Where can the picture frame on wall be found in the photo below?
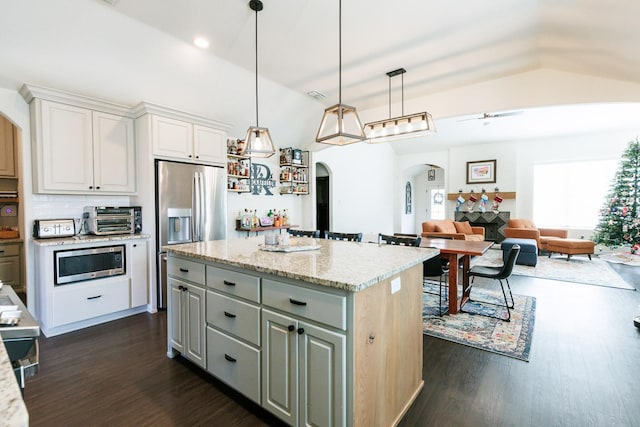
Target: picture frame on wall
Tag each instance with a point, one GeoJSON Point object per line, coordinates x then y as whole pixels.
{"type": "Point", "coordinates": [481, 172]}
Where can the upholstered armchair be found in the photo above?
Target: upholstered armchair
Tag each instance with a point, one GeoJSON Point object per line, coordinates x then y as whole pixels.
{"type": "Point", "coordinates": [449, 229]}
{"type": "Point", "coordinates": [526, 229]}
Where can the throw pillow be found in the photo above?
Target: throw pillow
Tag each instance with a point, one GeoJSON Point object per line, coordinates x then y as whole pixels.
{"type": "Point", "coordinates": [463, 227]}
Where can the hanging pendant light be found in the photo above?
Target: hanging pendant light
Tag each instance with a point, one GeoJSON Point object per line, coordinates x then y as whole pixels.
{"type": "Point", "coordinates": [404, 126]}
{"type": "Point", "coordinates": [258, 141]}
{"type": "Point", "coordinates": [340, 123]}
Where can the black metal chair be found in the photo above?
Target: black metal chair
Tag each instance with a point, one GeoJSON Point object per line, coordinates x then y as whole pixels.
{"type": "Point", "coordinates": [399, 240]}
{"type": "Point", "coordinates": [305, 233]}
{"type": "Point", "coordinates": [499, 274]}
{"type": "Point", "coordinates": [351, 237]}
{"type": "Point", "coordinates": [437, 267]}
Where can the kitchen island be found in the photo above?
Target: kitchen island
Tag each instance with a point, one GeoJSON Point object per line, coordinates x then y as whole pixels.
{"type": "Point", "coordinates": [331, 336]}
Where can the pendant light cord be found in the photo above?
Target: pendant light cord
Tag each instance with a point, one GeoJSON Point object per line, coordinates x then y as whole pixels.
{"type": "Point", "coordinates": [340, 52]}
{"type": "Point", "coordinates": [257, 124]}
{"type": "Point", "coordinates": [402, 75]}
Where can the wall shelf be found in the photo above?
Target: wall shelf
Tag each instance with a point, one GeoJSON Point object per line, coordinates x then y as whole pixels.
{"type": "Point", "coordinates": [257, 229]}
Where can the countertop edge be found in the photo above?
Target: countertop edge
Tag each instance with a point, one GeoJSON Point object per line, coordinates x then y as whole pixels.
{"type": "Point", "coordinates": [12, 407]}
{"type": "Point", "coordinates": [349, 287]}
{"type": "Point", "coordinates": [88, 238]}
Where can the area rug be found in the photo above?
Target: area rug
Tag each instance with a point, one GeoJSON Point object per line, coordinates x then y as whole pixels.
{"type": "Point", "coordinates": [472, 329]}
{"type": "Point", "coordinates": [579, 269]}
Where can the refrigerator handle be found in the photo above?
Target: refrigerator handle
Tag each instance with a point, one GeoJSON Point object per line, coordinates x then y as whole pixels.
{"type": "Point", "coordinates": [202, 205]}
{"type": "Point", "coordinates": [195, 202]}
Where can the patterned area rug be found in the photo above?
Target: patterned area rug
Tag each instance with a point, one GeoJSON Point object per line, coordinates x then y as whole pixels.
{"type": "Point", "coordinates": [511, 339]}
{"type": "Point", "coordinates": [579, 269]}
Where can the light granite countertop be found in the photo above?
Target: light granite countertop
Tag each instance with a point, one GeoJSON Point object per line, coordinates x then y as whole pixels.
{"type": "Point", "coordinates": [338, 264]}
{"type": "Point", "coordinates": [13, 412]}
{"type": "Point", "coordinates": [87, 238]}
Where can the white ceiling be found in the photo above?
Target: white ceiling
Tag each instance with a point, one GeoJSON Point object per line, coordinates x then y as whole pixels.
{"type": "Point", "coordinates": [442, 45]}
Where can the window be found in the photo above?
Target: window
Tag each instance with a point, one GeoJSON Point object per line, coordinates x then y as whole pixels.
{"type": "Point", "coordinates": [570, 195]}
{"type": "Point", "coordinates": [437, 203]}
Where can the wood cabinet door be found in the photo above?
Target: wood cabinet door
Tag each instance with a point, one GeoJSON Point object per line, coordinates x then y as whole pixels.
{"type": "Point", "coordinates": [175, 309]}
{"type": "Point", "coordinates": [195, 325]}
{"type": "Point", "coordinates": [209, 145]}
{"type": "Point", "coordinates": [172, 138]}
{"type": "Point", "coordinates": [322, 358]}
{"type": "Point", "coordinates": [139, 276]}
{"type": "Point", "coordinates": [280, 366]}
{"type": "Point", "coordinates": [10, 271]}
{"type": "Point", "coordinates": [114, 167]}
{"type": "Point", "coordinates": [7, 148]}
{"type": "Point", "coordinates": [65, 152]}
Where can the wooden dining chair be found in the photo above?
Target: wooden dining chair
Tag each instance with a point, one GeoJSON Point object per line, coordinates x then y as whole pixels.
{"type": "Point", "coordinates": [351, 237]}
{"type": "Point", "coordinates": [499, 274]}
{"type": "Point", "coordinates": [305, 233]}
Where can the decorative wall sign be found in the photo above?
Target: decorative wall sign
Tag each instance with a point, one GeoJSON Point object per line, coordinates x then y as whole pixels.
{"type": "Point", "coordinates": [261, 179]}
{"type": "Point", "coordinates": [481, 171]}
{"type": "Point", "coordinates": [431, 175]}
{"type": "Point", "coordinates": [407, 198]}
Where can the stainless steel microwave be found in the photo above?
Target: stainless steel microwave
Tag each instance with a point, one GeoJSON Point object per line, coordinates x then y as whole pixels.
{"type": "Point", "coordinates": [75, 265]}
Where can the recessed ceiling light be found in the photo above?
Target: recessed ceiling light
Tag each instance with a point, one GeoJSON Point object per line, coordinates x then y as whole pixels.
{"type": "Point", "coordinates": [315, 94]}
{"type": "Point", "coordinates": [201, 42]}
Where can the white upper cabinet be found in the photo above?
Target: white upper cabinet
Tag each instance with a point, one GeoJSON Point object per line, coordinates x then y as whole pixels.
{"type": "Point", "coordinates": [185, 137]}
{"type": "Point", "coordinates": [209, 145]}
{"type": "Point", "coordinates": [79, 149]}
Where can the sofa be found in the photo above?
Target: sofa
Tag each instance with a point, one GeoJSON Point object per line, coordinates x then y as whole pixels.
{"type": "Point", "coordinates": [526, 229]}
{"type": "Point", "coordinates": [446, 228]}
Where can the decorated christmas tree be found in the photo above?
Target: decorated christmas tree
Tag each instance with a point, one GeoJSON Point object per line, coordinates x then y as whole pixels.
{"type": "Point", "coordinates": [620, 215]}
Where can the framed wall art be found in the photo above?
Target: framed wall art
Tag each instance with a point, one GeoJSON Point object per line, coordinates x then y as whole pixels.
{"type": "Point", "coordinates": [481, 171]}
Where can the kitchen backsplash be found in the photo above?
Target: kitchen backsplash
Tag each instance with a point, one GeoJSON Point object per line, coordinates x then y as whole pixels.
{"type": "Point", "coordinates": [69, 206]}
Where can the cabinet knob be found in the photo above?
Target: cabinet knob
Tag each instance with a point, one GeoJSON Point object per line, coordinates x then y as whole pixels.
{"type": "Point", "coordinates": [291, 328]}
{"type": "Point", "coordinates": [300, 331]}
{"type": "Point", "coordinates": [91, 187]}
{"type": "Point", "coordinates": [197, 157]}
{"type": "Point", "coordinates": [190, 156]}
{"type": "Point", "coordinates": [98, 187]}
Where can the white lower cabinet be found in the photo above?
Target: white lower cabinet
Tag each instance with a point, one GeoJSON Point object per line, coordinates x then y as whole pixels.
{"type": "Point", "coordinates": [303, 371]}
{"type": "Point", "coordinates": [281, 345]}
{"type": "Point", "coordinates": [234, 362]}
{"type": "Point", "coordinates": [187, 320]}
{"type": "Point", "coordinates": [75, 302]}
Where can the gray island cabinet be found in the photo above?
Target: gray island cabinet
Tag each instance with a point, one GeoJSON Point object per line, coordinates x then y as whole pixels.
{"type": "Point", "coordinates": [327, 337]}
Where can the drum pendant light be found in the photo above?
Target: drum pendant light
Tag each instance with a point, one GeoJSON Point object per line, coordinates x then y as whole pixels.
{"type": "Point", "coordinates": [258, 141]}
{"type": "Point", "coordinates": [340, 123]}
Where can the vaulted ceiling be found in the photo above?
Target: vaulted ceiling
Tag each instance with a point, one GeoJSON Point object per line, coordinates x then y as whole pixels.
{"type": "Point", "coordinates": [441, 44]}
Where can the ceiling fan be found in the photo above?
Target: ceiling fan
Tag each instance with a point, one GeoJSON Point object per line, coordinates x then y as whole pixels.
{"type": "Point", "coordinates": [488, 117]}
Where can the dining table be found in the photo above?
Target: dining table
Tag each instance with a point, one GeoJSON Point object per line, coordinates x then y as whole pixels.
{"type": "Point", "coordinates": [453, 251]}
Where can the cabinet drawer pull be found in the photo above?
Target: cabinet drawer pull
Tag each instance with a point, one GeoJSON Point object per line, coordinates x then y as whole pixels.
{"type": "Point", "coordinates": [184, 270]}
{"type": "Point", "coordinates": [226, 282]}
{"type": "Point", "coordinates": [296, 302]}
{"type": "Point", "coordinates": [229, 358]}
{"type": "Point", "coordinates": [96, 297]}
{"type": "Point", "coordinates": [226, 313]}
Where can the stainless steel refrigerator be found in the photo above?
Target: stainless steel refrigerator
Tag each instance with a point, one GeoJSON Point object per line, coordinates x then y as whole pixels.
{"type": "Point", "coordinates": [191, 206]}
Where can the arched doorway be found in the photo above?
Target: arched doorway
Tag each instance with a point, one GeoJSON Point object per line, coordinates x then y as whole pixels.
{"type": "Point", "coordinates": [429, 199]}
{"type": "Point", "coordinates": [323, 198]}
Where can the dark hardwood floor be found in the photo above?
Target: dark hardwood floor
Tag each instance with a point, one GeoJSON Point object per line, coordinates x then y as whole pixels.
{"type": "Point", "coordinates": [584, 370]}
